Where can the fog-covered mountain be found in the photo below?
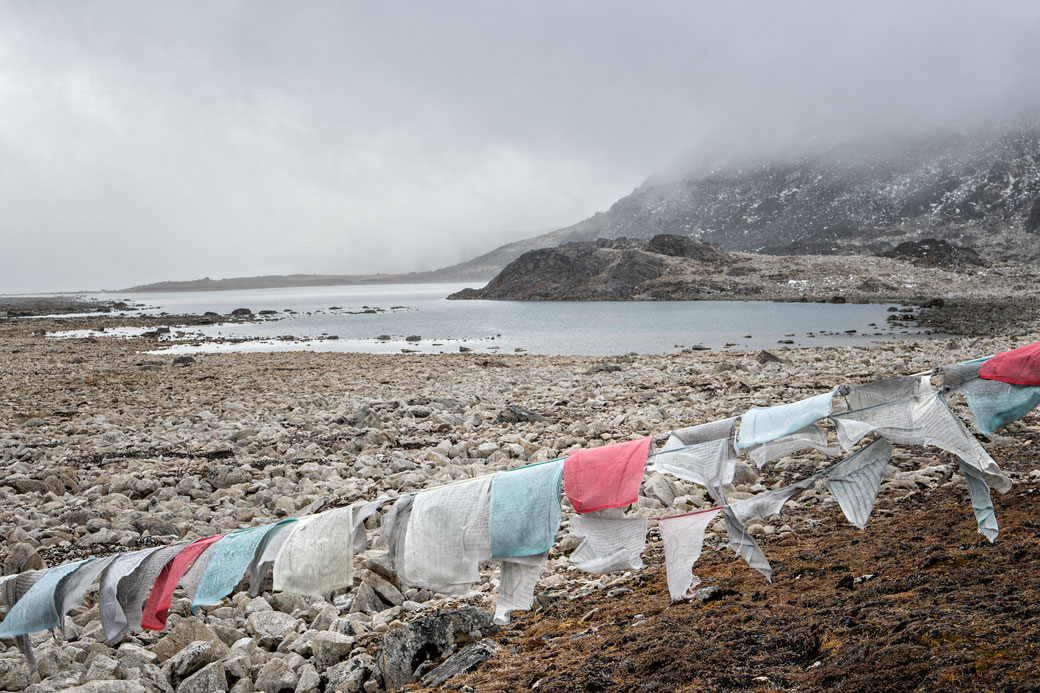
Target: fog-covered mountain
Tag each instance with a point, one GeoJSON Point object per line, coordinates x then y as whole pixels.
{"type": "Point", "coordinates": [979, 189]}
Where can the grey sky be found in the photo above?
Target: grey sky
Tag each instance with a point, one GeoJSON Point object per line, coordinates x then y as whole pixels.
{"type": "Point", "coordinates": [144, 141]}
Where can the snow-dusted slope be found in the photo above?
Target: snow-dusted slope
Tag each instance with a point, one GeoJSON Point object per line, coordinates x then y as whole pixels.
{"type": "Point", "coordinates": [981, 190]}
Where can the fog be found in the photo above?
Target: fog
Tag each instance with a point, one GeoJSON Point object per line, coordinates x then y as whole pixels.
{"type": "Point", "coordinates": [145, 141]}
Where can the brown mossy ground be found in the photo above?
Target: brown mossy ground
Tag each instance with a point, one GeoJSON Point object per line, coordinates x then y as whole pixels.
{"type": "Point", "coordinates": [943, 610]}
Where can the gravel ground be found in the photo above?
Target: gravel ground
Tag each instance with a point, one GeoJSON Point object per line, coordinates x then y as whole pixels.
{"type": "Point", "coordinates": [106, 450]}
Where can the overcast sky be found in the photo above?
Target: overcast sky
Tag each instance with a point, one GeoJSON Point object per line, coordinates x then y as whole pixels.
{"type": "Point", "coordinates": [145, 141]}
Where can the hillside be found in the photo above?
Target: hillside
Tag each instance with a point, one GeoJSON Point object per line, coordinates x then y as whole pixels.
{"type": "Point", "coordinates": [980, 190]}
{"type": "Point", "coordinates": [669, 267]}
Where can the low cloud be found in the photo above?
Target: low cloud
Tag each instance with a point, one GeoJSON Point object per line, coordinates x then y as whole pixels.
{"type": "Point", "coordinates": [151, 141]}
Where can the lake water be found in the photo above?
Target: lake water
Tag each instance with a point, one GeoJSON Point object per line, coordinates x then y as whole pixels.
{"type": "Point", "coordinates": [559, 327]}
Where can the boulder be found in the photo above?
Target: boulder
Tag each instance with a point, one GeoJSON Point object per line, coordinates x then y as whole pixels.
{"type": "Point", "coordinates": [309, 681]}
{"type": "Point", "coordinates": [366, 600]}
{"type": "Point", "coordinates": [106, 687]}
{"type": "Point", "coordinates": [352, 675]}
{"type": "Point", "coordinates": [101, 668]}
{"type": "Point", "coordinates": [765, 357]}
{"type": "Point", "coordinates": [463, 661]}
{"type": "Point", "coordinates": [514, 413]}
{"type": "Point", "coordinates": [194, 657]}
{"type": "Point", "coordinates": [276, 677]}
{"type": "Point", "coordinates": [270, 627]}
{"type": "Point", "coordinates": [330, 648]}
{"type": "Point", "coordinates": [185, 632]}
{"type": "Point", "coordinates": [684, 246]}
{"type": "Point", "coordinates": [210, 679]}
{"type": "Point", "coordinates": [20, 558]}
{"type": "Point", "coordinates": [130, 655]}
{"type": "Point", "coordinates": [384, 589]}
{"type": "Point", "coordinates": [51, 660]}
{"type": "Point", "coordinates": [744, 474]}
{"type": "Point", "coordinates": [404, 649]}
{"type": "Point", "coordinates": [662, 489]}
{"type": "Point", "coordinates": [14, 672]}
{"type": "Point", "coordinates": [287, 602]}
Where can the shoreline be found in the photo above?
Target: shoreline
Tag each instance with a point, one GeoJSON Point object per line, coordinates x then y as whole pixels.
{"type": "Point", "coordinates": [942, 318]}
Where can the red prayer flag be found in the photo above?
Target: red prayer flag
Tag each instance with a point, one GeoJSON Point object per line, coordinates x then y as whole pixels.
{"type": "Point", "coordinates": [1019, 366]}
{"type": "Point", "coordinates": [157, 608]}
{"type": "Point", "coordinates": [605, 477]}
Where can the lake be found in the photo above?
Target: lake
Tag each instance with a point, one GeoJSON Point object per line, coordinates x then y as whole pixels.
{"type": "Point", "coordinates": [362, 317]}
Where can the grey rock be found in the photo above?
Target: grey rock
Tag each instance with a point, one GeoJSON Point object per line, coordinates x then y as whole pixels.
{"type": "Point", "coordinates": [404, 649]}
{"type": "Point", "coordinates": [325, 618]}
{"type": "Point", "coordinates": [101, 668]}
{"type": "Point", "coordinates": [385, 589]}
{"type": "Point", "coordinates": [352, 675]}
{"type": "Point", "coordinates": [210, 679]}
{"type": "Point", "coordinates": [228, 635]}
{"type": "Point", "coordinates": [20, 558]}
{"type": "Point", "coordinates": [514, 413]}
{"type": "Point", "coordinates": [765, 357]}
{"type": "Point", "coordinates": [380, 565]}
{"type": "Point", "coordinates": [284, 506]}
{"type": "Point", "coordinates": [238, 665]}
{"type": "Point", "coordinates": [245, 646]}
{"type": "Point", "coordinates": [130, 655]}
{"type": "Point", "coordinates": [270, 627]}
{"type": "Point", "coordinates": [276, 677]}
{"type": "Point", "coordinates": [223, 476]}
{"type": "Point", "coordinates": [14, 672]}
{"type": "Point", "coordinates": [465, 660]}
{"type": "Point", "coordinates": [51, 660]}
{"type": "Point", "coordinates": [150, 676]}
{"type": "Point", "coordinates": [106, 687]}
{"type": "Point", "coordinates": [187, 631]}
{"type": "Point", "coordinates": [663, 489]}
{"type": "Point", "coordinates": [330, 648]}
{"type": "Point", "coordinates": [303, 645]}
{"type": "Point", "coordinates": [195, 656]}
{"type": "Point", "coordinates": [744, 473]}
{"type": "Point", "coordinates": [287, 602]}
{"type": "Point", "coordinates": [257, 604]}
{"type": "Point", "coordinates": [366, 600]}
{"type": "Point", "coordinates": [708, 594]}
{"type": "Point", "coordinates": [309, 680]}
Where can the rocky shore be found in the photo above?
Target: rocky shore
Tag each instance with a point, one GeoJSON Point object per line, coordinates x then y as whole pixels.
{"type": "Point", "coordinates": [105, 449]}
{"type": "Point", "coordinates": [678, 268]}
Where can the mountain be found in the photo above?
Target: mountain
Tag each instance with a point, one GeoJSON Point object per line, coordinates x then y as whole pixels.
{"type": "Point", "coordinates": [479, 269]}
{"type": "Point", "coordinates": [979, 189]}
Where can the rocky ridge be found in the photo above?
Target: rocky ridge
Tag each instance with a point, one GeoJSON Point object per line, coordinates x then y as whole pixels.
{"type": "Point", "coordinates": [670, 267]}
{"type": "Point", "coordinates": [105, 450]}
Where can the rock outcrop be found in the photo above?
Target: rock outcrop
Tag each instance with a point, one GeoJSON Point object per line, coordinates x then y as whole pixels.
{"type": "Point", "coordinates": [679, 268]}
{"type": "Point", "coordinates": [932, 252]}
